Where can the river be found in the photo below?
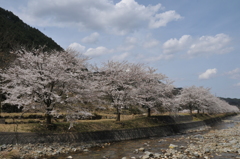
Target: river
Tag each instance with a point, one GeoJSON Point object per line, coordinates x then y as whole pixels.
{"type": "Point", "coordinates": [159, 145]}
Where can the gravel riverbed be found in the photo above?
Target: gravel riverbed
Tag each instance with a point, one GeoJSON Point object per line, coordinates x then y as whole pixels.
{"type": "Point", "coordinates": [214, 144]}
{"type": "Point", "coordinates": [43, 151]}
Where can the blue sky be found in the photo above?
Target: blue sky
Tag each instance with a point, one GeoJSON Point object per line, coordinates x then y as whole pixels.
{"type": "Point", "coordinates": [193, 42]}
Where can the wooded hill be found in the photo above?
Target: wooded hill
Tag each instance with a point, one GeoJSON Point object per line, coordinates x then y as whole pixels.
{"type": "Point", "coordinates": [15, 33]}
{"type": "Point", "coordinates": [232, 101]}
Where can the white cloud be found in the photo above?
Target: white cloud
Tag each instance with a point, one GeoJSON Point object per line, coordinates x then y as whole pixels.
{"type": "Point", "coordinates": [98, 51]}
{"type": "Point", "coordinates": [157, 58]}
{"type": "Point", "coordinates": [173, 45]}
{"type": "Point", "coordinates": [77, 47]}
{"type": "Point", "coordinates": [208, 45]}
{"type": "Point", "coordinates": [162, 19]}
{"type": "Point", "coordinates": [93, 38]}
{"type": "Point", "coordinates": [203, 46]}
{"type": "Point", "coordinates": [151, 43]}
{"type": "Point", "coordinates": [129, 44]}
{"type": "Point", "coordinates": [208, 73]}
{"type": "Point", "coordinates": [120, 57]}
{"type": "Point", "coordinates": [91, 51]}
{"type": "Point", "coordinates": [235, 74]}
{"type": "Point", "coordinates": [131, 40]}
{"type": "Point", "coordinates": [120, 18]}
{"type": "Point", "coordinates": [125, 48]}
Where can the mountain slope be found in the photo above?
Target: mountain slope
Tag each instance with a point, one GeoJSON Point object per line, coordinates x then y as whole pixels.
{"type": "Point", "coordinates": [15, 33]}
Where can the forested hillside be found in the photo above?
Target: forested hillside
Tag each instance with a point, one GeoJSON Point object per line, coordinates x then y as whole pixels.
{"type": "Point", "coordinates": [15, 33]}
{"type": "Point", "coordinates": [232, 101]}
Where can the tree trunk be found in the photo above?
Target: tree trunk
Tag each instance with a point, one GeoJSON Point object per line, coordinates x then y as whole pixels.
{"type": "Point", "coordinates": [2, 119]}
{"type": "Point", "coordinates": [149, 112]}
{"type": "Point", "coordinates": [1, 104]}
{"type": "Point", "coordinates": [118, 115]}
{"type": "Point", "coordinates": [198, 111]}
{"type": "Point", "coordinates": [0, 108]}
{"type": "Point", "coordinates": [190, 109]}
{"type": "Point", "coordinates": [48, 117]}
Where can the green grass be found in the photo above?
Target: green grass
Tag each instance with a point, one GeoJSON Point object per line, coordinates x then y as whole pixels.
{"type": "Point", "coordinates": [16, 127]}
{"type": "Point", "coordinates": [20, 115]}
{"type": "Point", "coordinates": [201, 117]}
{"type": "Point", "coordinates": [127, 122]}
{"type": "Point", "coordinates": [99, 125]}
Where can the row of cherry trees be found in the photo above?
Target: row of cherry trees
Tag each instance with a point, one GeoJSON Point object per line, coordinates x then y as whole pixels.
{"type": "Point", "coordinates": [200, 99]}
{"type": "Point", "coordinates": [64, 81]}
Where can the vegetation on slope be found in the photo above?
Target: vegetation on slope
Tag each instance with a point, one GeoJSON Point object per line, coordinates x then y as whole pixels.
{"type": "Point", "coordinates": [59, 126]}
{"type": "Point", "coordinates": [15, 33]}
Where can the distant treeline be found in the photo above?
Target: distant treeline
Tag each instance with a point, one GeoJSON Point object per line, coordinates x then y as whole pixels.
{"type": "Point", "coordinates": [15, 33]}
{"type": "Point", "coordinates": [232, 101]}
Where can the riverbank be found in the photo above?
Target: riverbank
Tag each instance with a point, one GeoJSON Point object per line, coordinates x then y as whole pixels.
{"type": "Point", "coordinates": [34, 123]}
{"type": "Point", "coordinates": [215, 144]}
{"type": "Point", "coordinates": [53, 150]}
{"type": "Point", "coordinates": [157, 126]}
{"type": "Point", "coordinates": [53, 144]}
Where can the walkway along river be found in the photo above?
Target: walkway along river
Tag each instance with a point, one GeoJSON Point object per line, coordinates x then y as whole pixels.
{"type": "Point", "coordinates": [220, 141]}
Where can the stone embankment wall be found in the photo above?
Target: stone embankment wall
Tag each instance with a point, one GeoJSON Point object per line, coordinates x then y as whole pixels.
{"type": "Point", "coordinates": [108, 136]}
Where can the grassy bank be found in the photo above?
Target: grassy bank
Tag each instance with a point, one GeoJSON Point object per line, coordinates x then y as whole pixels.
{"type": "Point", "coordinates": [201, 117]}
{"type": "Point", "coordinates": [127, 122]}
{"type": "Point", "coordinates": [100, 125]}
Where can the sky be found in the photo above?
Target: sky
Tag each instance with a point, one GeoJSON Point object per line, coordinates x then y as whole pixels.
{"type": "Point", "coordinates": [193, 42]}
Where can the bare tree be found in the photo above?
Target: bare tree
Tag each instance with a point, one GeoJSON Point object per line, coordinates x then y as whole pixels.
{"type": "Point", "coordinates": [49, 81]}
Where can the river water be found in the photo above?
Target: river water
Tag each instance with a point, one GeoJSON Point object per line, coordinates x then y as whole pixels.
{"type": "Point", "coordinates": [127, 149]}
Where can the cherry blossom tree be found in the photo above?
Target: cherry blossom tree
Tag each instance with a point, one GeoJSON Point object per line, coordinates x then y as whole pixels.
{"type": "Point", "coordinates": [49, 81]}
{"type": "Point", "coordinates": [194, 98]}
{"type": "Point", "coordinates": [217, 105]}
{"type": "Point", "coordinates": [124, 84]}
{"type": "Point", "coordinates": [200, 98]}
{"type": "Point", "coordinates": [118, 83]}
{"type": "Point", "coordinates": [154, 89]}
{"type": "Point", "coordinates": [171, 104]}
{"type": "Point", "coordinates": [233, 109]}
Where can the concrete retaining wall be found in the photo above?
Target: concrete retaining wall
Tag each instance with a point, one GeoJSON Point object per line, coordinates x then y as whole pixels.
{"type": "Point", "coordinates": [103, 136]}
